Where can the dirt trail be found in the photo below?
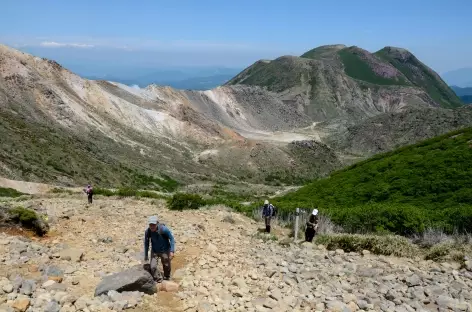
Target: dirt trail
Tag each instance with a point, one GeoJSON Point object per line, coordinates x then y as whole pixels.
{"type": "Point", "coordinates": [222, 263]}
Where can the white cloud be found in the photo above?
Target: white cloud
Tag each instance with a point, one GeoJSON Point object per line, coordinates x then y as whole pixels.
{"type": "Point", "coordinates": [53, 44]}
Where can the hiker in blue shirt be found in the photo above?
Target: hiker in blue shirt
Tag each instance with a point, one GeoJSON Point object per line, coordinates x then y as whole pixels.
{"type": "Point", "coordinates": [162, 247]}
{"type": "Point", "coordinates": [267, 214]}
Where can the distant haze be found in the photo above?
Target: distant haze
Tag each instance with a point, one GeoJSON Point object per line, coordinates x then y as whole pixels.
{"type": "Point", "coordinates": [461, 77]}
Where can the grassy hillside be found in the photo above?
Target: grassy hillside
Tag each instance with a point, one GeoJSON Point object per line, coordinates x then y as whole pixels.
{"type": "Point", "coordinates": [277, 75]}
{"type": "Point", "coordinates": [362, 69]}
{"type": "Point", "coordinates": [420, 75]}
{"type": "Point", "coordinates": [323, 51]}
{"type": "Point", "coordinates": [39, 152]}
{"type": "Point", "coordinates": [403, 191]}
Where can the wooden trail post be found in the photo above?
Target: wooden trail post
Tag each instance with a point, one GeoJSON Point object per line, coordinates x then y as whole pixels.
{"type": "Point", "coordinates": [297, 216]}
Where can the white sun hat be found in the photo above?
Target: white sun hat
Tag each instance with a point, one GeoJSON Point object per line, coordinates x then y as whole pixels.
{"type": "Point", "coordinates": [315, 212]}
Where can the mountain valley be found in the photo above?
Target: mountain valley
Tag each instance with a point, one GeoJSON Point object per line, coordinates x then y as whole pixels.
{"type": "Point", "coordinates": [285, 121]}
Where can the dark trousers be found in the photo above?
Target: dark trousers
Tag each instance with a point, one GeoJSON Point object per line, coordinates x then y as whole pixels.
{"type": "Point", "coordinates": [89, 196]}
{"type": "Point", "coordinates": [267, 223]}
{"type": "Point", "coordinates": [309, 234]}
{"type": "Point", "coordinates": [165, 260]}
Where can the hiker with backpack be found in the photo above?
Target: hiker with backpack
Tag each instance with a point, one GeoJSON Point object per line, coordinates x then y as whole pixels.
{"type": "Point", "coordinates": [89, 191]}
{"type": "Point", "coordinates": [268, 211]}
{"type": "Point", "coordinates": [311, 226]}
{"type": "Point", "coordinates": [162, 247]}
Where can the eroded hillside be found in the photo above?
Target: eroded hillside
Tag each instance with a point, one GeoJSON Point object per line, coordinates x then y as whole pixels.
{"type": "Point", "coordinates": [281, 121]}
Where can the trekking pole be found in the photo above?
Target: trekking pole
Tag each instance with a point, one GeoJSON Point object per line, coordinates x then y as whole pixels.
{"type": "Point", "coordinates": [297, 214]}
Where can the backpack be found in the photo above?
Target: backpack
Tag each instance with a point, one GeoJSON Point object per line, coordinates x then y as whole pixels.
{"type": "Point", "coordinates": [274, 211]}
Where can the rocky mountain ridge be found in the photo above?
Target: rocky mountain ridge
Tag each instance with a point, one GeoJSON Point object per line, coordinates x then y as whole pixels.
{"type": "Point", "coordinates": [59, 128]}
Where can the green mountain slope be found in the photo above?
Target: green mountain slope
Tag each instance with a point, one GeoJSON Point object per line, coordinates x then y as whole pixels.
{"type": "Point", "coordinates": [337, 81]}
{"type": "Point", "coordinates": [403, 191]}
{"type": "Point", "coordinates": [323, 52]}
{"type": "Point", "coordinates": [420, 75]}
{"type": "Point", "coordinates": [360, 64]}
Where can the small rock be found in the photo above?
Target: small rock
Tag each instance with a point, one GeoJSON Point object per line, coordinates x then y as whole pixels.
{"type": "Point", "coordinates": [27, 287]}
{"type": "Point", "coordinates": [48, 283]}
{"type": "Point", "coordinates": [52, 306]}
{"type": "Point", "coordinates": [413, 280]}
{"type": "Point", "coordinates": [276, 294]}
{"type": "Point", "coordinates": [21, 305]}
{"type": "Point", "coordinates": [168, 286]}
{"type": "Point", "coordinates": [52, 271]}
{"type": "Point", "coordinates": [71, 254]}
{"type": "Point", "coordinates": [8, 288]}
{"type": "Point", "coordinates": [336, 306]}
{"type": "Point", "coordinates": [270, 303]}
{"type": "Point", "coordinates": [81, 303]}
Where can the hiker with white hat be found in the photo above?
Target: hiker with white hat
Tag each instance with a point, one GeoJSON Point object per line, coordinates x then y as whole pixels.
{"type": "Point", "coordinates": [311, 226]}
{"type": "Point", "coordinates": [267, 213]}
{"type": "Point", "coordinates": [162, 247]}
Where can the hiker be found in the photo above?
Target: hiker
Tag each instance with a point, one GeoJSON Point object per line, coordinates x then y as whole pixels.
{"type": "Point", "coordinates": [311, 226]}
{"type": "Point", "coordinates": [267, 213]}
{"type": "Point", "coordinates": [89, 191]}
{"type": "Point", "coordinates": [162, 247]}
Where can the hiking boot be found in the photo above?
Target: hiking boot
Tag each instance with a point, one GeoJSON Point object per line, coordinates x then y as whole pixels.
{"type": "Point", "coordinates": [167, 278]}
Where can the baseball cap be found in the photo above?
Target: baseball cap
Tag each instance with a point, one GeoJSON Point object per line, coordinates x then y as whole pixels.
{"type": "Point", "coordinates": [152, 220]}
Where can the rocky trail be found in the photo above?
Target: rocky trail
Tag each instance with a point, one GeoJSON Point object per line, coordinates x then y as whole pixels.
{"type": "Point", "coordinates": [222, 263]}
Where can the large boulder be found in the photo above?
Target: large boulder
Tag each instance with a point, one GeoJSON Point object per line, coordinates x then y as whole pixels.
{"type": "Point", "coordinates": [133, 279]}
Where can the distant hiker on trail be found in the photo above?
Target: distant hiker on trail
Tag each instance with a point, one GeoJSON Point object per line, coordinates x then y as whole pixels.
{"type": "Point", "coordinates": [311, 226]}
{"type": "Point", "coordinates": [267, 213]}
{"type": "Point", "coordinates": [162, 247]}
{"type": "Point", "coordinates": [89, 191]}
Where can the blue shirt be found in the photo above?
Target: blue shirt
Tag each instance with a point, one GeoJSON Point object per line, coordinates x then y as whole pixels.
{"type": "Point", "coordinates": [267, 210]}
{"type": "Point", "coordinates": [162, 241]}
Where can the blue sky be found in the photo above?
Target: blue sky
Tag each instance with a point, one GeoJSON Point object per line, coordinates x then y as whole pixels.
{"type": "Point", "coordinates": [156, 33]}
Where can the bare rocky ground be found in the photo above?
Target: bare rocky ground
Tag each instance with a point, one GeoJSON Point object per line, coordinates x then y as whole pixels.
{"type": "Point", "coordinates": [222, 263]}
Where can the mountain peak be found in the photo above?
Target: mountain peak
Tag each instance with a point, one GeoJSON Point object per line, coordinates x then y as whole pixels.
{"type": "Point", "coordinates": [400, 54]}
{"type": "Point", "coordinates": [323, 51]}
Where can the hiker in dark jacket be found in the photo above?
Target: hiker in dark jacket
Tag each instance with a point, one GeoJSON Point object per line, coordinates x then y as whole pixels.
{"type": "Point", "coordinates": [89, 191]}
{"type": "Point", "coordinates": [311, 226]}
{"type": "Point", "coordinates": [162, 247]}
{"type": "Point", "coordinates": [267, 211]}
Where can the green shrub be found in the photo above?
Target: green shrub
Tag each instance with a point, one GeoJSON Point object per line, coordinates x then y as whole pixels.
{"type": "Point", "coordinates": [358, 68]}
{"type": "Point", "coordinates": [380, 218]}
{"type": "Point", "coordinates": [25, 216]}
{"type": "Point", "coordinates": [29, 219]}
{"type": "Point", "coordinates": [126, 192]}
{"type": "Point", "coordinates": [181, 201]}
{"type": "Point", "coordinates": [103, 191]}
{"type": "Point", "coordinates": [380, 245]}
{"type": "Point", "coordinates": [425, 184]}
{"type": "Point", "coordinates": [9, 192]}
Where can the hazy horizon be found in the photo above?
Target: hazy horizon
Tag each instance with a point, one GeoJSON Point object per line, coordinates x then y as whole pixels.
{"type": "Point", "coordinates": [108, 38]}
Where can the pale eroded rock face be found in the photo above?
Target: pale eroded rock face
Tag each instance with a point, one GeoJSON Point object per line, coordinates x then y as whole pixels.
{"type": "Point", "coordinates": [228, 132]}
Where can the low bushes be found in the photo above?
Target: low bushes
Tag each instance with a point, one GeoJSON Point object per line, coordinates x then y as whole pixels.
{"type": "Point", "coordinates": [9, 192]}
{"type": "Point", "coordinates": [183, 201]}
{"type": "Point", "coordinates": [29, 219]}
{"type": "Point", "coordinates": [128, 192]}
{"type": "Point", "coordinates": [397, 219]}
{"type": "Point", "coordinates": [388, 245]}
